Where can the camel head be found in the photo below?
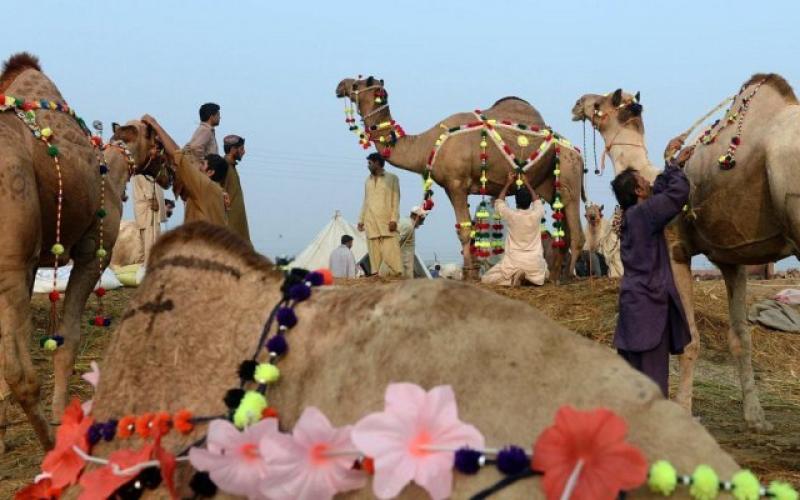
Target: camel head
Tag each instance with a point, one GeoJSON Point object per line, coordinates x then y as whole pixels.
{"type": "Point", "coordinates": [600, 109]}
{"type": "Point", "coordinates": [593, 213]}
{"type": "Point", "coordinates": [142, 143]}
{"type": "Point", "coordinates": [368, 94]}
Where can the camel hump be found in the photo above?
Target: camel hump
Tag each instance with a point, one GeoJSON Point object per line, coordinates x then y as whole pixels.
{"type": "Point", "coordinates": [775, 81]}
{"type": "Point", "coordinates": [510, 98]}
{"type": "Point", "coordinates": [20, 62]}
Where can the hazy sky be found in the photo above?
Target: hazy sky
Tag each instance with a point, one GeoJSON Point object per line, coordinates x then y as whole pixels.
{"type": "Point", "coordinates": [274, 66]}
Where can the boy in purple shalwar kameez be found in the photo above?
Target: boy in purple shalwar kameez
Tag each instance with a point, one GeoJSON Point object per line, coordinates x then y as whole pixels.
{"type": "Point", "coordinates": [652, 324]}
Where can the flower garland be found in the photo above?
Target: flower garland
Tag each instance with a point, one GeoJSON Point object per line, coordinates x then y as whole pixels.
{"type": "Point", "coordinates": [728, 160]}
{"type": "Point", "coordinates": [488, 232]}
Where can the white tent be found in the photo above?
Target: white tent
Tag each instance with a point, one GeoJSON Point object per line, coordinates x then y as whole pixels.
{"type": "Point", "coordinates": [317, 254]}
{"type": "Point", "coordinates": [44, 279]}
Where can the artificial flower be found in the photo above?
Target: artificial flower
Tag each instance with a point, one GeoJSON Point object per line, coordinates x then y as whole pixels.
{"type": "Point", "coordinates": [232, 458]}
{"type": "Point", "coordinates": [62, 463]}
{"type": "Point", "coordinates": [38, 490]}
{"type": "Point", "coordinates": [587, 450]}
{"type": "Point", "coordinates": [93, 377]}
{"type": "Point", "coordinates": [305, 465]}
{"type": "Point", "coordinates": [403, 440]}
{"type": "Point", "coordinates": [101, 483]}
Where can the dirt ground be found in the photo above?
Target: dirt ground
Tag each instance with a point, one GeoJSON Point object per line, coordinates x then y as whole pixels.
{"type": "Point", "coordinates": [588, 308]}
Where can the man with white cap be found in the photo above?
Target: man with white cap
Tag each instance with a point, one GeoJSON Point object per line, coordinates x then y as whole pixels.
{"type": "Point", "coordinates": [406, 227]}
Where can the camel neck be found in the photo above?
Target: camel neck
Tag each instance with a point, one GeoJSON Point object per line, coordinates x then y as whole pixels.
{"type": "Point", "coordinates": [626, 148]}
{"type": "Point", "coordinates": [409, 152]}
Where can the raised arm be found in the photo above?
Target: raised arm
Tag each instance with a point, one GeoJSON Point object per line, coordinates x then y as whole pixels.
{"type": "Point", "coordinates": [170, 147]}
{"type": "Point", "coordinates": [512, 176]}
{"type": "Point", "coordinates": [534, 196]}
{"type": "Point", "coordinates": [670, 194]}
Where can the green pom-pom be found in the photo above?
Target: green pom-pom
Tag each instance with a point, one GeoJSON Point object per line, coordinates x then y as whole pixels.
{"type": "Point", "coordinates": [52, 151]}
{"type": "Point", "coordinates": [267, 373]}
{"type": "Point", "coordinates": [101, 213]}
{"type": "Point", "coordinates": [57, 249]}
{"type": "Point", "coordinates": [705, 483]}
{"type": "Point", "coordinates": [663, 478]}
{"type": "Point", "coordinates": [249, 410]}
{"type": "Point", "coordinates": [50, 345]}
{"type": "Point", "coordinates": [101, 253]}
{"type": "Point", "coordinates": [782, 491]}
{"type": "Point", "coordinates": [745, 486]}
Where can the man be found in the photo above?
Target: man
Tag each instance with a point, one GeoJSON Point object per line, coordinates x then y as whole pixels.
{"type": "Point", "coordinates": [148, 211]}
{"type": "Point", "coordinates": [169, 207]}
{"type": "Point", "coordinates": [651, 323]}
{"type": "Point", "coordinates": [237, 215]}
{"type": "Point", "coordinates": [206, 199]}
{"type": "Point", "coordinates": [436, 271]}
{"type": "Point", "coordinates": [204, 141]}
{"type": "Point", "coordinates": [379, 215]}
{"type": "Point", "coordinates": [524, 255]}
{"type": "Point", "coordinates": [342, 261]}
{"type": "Point", "coordinates": [407, 227]}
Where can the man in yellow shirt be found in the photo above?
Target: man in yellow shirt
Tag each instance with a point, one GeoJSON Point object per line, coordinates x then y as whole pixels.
{"type": "Point", "coordinates": [379, 217]}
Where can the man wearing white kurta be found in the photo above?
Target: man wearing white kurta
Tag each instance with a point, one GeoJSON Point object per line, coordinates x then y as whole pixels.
{"type": "Point", "coordinates": [379, 217]}
{"type": "Point", "coordinates": [407, 228]}
{"type": "Point", "coordinates": [342, 261]}
{"type": "Point", "coordinates": [148, 210]}
{"type": "Point", "coordinates": [524, 255]}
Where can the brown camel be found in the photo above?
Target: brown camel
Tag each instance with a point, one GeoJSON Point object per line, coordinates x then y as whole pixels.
{"type": "Point", "coordinates": [457, 167]}
{"type": "Point", "coordinates": [201, 308]}
{"type": "Point", "coordinates": [28, 194]}
{"type": "Point", "coordinates": [747, 214]}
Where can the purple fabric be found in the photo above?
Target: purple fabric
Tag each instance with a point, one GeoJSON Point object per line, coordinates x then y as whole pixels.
{"type": "Point", "coordinates": [648, 300]}
{"type": "Point", "coordinates": [653, 363]}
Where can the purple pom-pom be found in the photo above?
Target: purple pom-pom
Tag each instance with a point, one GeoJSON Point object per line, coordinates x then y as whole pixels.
{"type": "Point", "coordinates": [299, 292]}
{"type": "Point", "coordinates": [94, 433]}
{"type": "Point", "coordinates": [468, 461]}
{"type": "Point", "coordinates": [287, 317]}
{"type": "Point", "coordinates": [278, 345]}
{"type": "Point", "coordinates": [107, 321]}
{"type": "Point", "coordinates": [315, 278]}
{"type": "Point", "coordinates": [512, 460]}
{"type": "Point", "coordinates": [59, 339]}
{"type": "Point", "coordinates": [109, 430]}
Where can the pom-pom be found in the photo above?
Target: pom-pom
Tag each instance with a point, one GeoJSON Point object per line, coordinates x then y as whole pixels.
{"type": "Point", "coordinates": [202, 485]}
{"type": "Point", "coordinates": [266, 373]}
{"type": "Point", "coordinates": [512, 460]}
{"type": "Point", "coordinates": [315, 278]}
{"type": "Point", "coordinates": [278, 345]}
{"type": "Point", "coordinates": [299, 292]}
{"type": "Point", "coordinates": [782, 491]}
{"type": "Point", "coordinates": [94, 433]}
{"type": "Point", "coordinates": [162, 423]}
{"type": "Point", "coordinates": [427, 204]}
{"type": "Point", "coordinates": [183, 422]}
{"type": "Point", "coordinates": [247, 369]}
{"type": "Point", "coordinates": [286, 317]}
{"type": "Point", "coordinates": [52, 151]}
{"type": "Point", "coordinates": [50, 344]}
{"type": "Point", "coordinates": [662, 478]}
{"type": "Point", "coordinates": [101, 253]}
{"type": "Point", "coordinates": [468, 461]}
{"type": "Point", "coordinates": [233, 398]}
{"type": "Point", "coordinates": [107, 321]}
{"type": "Point", "coordinates": [745, 486]}
{"type": "Point", "coordinates": [144, 425]}
{"type": "Point", "coordinates": [269, 412]}
{"type": "Point", "coordinates": [100, 292]}
{"type": "Point", "coordinates": [109, 430]}
{"type": "Point", "coordinates": [54, 296]}
{"type": "Point", "coordinates": [99, 320]}
{"type": "Point", "coordinates": [522, 141]}
{"type": "Point", "coordinates": [705, 483]}
{"type": "Point", "coordinates": [57, 249]}
{"type": "Point", "coordinates": [327, 276]}
{"type": "Point", "coordinates": [126, 426]}
{"type": "Point", "coordinates": [249, 410]}
{"type": "Point", "coordinates": [103, 169]}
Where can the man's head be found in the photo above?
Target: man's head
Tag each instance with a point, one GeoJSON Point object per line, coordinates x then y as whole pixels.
{"type": "Point", "coordinates": [523, 198]}
{"type": "Point", "coordinates": [216, 168]}
{"type": "Point", "coordinates": [209, 113]}
{"type": "Point", "coordinates": [375, 163]}
{"type": "Point", "coordinates": [418, 215]}
{"type": "Point", "coordinates": [438, 267]}
{"type": "Point", "coordinates": [169, 206]}
{"type": "Point", "coordinates": [630, 188]}
{"type": "Point", "coordinates": [233, 145]}
{"type": "Point", "coordinates": [347, 241]}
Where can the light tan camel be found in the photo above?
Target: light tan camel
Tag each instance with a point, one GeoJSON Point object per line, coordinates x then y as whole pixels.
{"type": "Point", "coordinates": [201, 308]}
{"type": "Point", "coordinates": [749, 214]}
{"type": "Point", "coordinates": [457, 165]}
{"type": "Point", "coordinates": [28, 193]}
{"type": "Point", "coordinates": [601, 238]}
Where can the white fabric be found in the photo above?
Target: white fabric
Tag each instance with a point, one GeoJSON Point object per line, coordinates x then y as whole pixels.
{"type": "Point", "coordinates": [342, 263]}
{"type": "Point", "coordinates": [524, 255]}
{"type": "Point", "coordinates": [789, 296]}
{"type": "Point", "coordinates": [44, 279]}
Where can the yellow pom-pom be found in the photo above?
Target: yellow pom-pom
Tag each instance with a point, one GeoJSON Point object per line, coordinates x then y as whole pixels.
{"type": "Point", "coordinates": [428, 183]}
{"type": "Point", "coordinates": [491, 122]}
{"type": "Point", "coordinates": [249, 410]}
{"type": "Point", "coordinates": [266, 373]}
{"type": "Point", "coordinates": [705, 483]}
{"type": "Point", "coordinates": [558, 205]}
{"type": "Point", "coordinates": [496, 135]}
{"type": "Point", "coordinates": [483, 178]}
{"type": "Point", "coordinates": [782, 491]}
{"type": "Point", "coordinates": [472, 234]}
{"type": "Point", "coordinates": [46, 132]}
{"type": "Point", "coordinates": [745, 486]}
{"type": "Point", "coordinates": [662, 478]}
{"type": "Point", "coordinates": [101, 253]}
{"type": "Point", "coordinates": [53, 105]}
{"type": "Point", "coordinates": [561, 233]}
{"type": "Point", "coordinates": [484, 144]}
{"type": "Point", "coordinates": [57, 249]}
{"type": "Point", "coordinates": [10, 100]}
{"type": "Point", "coordinates": [523, 141]}
{"type": "Point", "coordinates": [50, 345]}
{"type": "Point", "coordinates": [443, 137]}
{"type": "Point", "coordinates": [382, 139]}
{"type": "Point", "coordinates": [519, 183]}
{"type": "Point", "coordinates": [557, 172]}
{"type": "Point", "coordinates": [438, 143]}
{"type": "Point", "coordinates": [722, 159]}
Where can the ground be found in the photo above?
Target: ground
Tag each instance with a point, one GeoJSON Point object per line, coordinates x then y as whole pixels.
{"type": "Point", "coordinates": [588, 308]}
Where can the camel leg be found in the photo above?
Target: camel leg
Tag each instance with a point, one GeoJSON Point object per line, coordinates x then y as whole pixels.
{"type": "Point", "coordinates": [82, 280]}
{"type": "Point", "coordinates": [741, 344]}
{"type": "Point", "coordinates": [573, 230]}
{"type": "Point", "coordinates": [682, 274]}
{"type": "Point", "coordinates": [458, 198]}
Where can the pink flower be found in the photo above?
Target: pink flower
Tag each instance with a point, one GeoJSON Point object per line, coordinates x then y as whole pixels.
{"type": "Point", "coordinates": [403, 440]}
{"type": "Point", "coordinates": [93, 377]}
{"type": "Point", "coordinates": [232, 458]}
{"type": "Point", "coordinates": [305, 465]}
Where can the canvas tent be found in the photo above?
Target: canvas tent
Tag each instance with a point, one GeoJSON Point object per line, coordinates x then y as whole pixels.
{"type": "Point", "coordinates": [317, 254]}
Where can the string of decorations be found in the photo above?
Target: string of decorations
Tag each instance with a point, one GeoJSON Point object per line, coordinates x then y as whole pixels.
{"type": "Point", "coordinates": [487, 233]}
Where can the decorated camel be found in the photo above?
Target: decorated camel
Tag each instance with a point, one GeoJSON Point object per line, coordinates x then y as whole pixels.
{"type": "Point", "coordinates": [176, 362]}
{"type": "Point", "coordinates": [472, 153]}
{"type": "Point", "coordinates": [62, 199]}
{"type": "Point", "coordinates": [744, 206]}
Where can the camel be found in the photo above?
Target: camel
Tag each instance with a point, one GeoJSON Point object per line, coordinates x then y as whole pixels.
{"type": "Point", "coordinates": [201, 308]}
{"type": "Point", "coordinates": [762, 179]}
{"type": "Point", "coordinates": [28, 197]}
{"type": "Point", "coordinates": [457, 165]}
{"type": "Point", "coordinates": [601, 238]}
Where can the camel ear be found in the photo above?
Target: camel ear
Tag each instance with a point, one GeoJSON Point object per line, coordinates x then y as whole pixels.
{"type": "Point", "coordinates": [370, 81]}
{"type": "Point", "coordinates": [114, 127]}
{"type": "Point", "coordinates": [616, 99]}
{"type": "Point", "coordinates": [126, 133]}
{"type": "Point", "coordinates": [638, 97]}
{"type": "Point", "coordinates": [601, 208]}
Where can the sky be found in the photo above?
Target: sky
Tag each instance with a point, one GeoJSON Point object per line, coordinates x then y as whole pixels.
{"type": "Point", "coordinates": [274, 67]}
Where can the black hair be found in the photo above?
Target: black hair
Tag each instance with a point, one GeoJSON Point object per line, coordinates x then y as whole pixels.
{"type": "Point", "coordinates": [227, 147]}
{"type": "Point", "coordinates": [624, 186]}
{"type": "Point", "coordinates": [523, 198]}
{"type": "Point", "coordinates": [376, 157]}
{"type": "Point", "coordinates": [219, 166]}
{"type": "Point", "coordinates": [346, 238]}
{"type": "Point", "coordinates": [169, 202]}
{"type": "Point", "coordinates": [208, 110]}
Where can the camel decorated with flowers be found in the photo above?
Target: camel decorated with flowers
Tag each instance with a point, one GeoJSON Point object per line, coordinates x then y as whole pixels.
{"type": "Point", "coordinates": [472, 153]}
{"type": "Point", "coordinates": [61, 197]}
{"type": "Point", "coordinates": [749, 159]}
{"type": "Point", "coordinates": [328, 361]}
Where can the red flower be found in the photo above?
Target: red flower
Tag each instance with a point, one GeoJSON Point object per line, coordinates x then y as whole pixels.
{"type": "Point", "coordinates": [101, 483]}
{"type": "Point", "coordinates": [183, 422]}
{"type": "Point", "coordinates": [43, 490]}
{"type": "Point", "coordinates": [595, 440]}
{"type": "Point", "coordinates": [144, 425]}
{"type": "Point", "coordinates": [62, 463]}
{"type": "Point", "coordinates": [126, 426]}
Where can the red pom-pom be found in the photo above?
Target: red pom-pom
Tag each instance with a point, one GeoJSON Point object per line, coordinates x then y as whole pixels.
{"type": "Point", "coordinates": [484, 156]}
{"type": "Point", "coordinates": [269, 412]}
{"type": "Point", "coordinates": [27, 106]}
{"type": "Point", "coordinates": [100, 292]}
{"type": "Point", "coordinates": [557, 184]}
{"type": "Point", "coordinates": [54, 296]}
{"type": "Point", "coordinates": [535, 154]}
{"type": "Point", "coordinates": [427, 204]}
{"type": "Point", "coordinates": [458, 226]}
{"type": "Point", "coordinates": [736, 140]}
{"type": "Point", "coordinates": [182, 422]}
{"type": "Point", "coordinates": [327, 276]}
{"type": "Point", "coordinates": [558, 149]}
{"type": "Point", "coordinates": [99, 321]}
{"type": "Point", "coordinates": [386, 153]}
{"type": "Point", "coordinates": [97, 141]}
{"type": "Point", "coordinates": [483, 190]}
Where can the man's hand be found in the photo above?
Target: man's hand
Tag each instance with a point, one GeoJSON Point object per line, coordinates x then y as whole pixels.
{"type": "Point", "coordinates": [684, 155]}
{"type": "Point", "coordinates": [361, 226]}
{"type": "Point", "coordinates": [512, 176]}
{"type": "Point", "coordinates": [149, 120]}
{"type": "Point", "coordinates": [392, 226]}
{"type": "Point", "coordinates": [226, 200]}
{"type": "Point", "coordinates": [673, 146]}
